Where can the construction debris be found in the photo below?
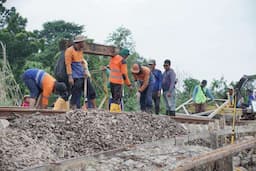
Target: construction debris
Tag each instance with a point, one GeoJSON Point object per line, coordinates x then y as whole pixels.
{"type": "Point", "coordinates": [34, 140]}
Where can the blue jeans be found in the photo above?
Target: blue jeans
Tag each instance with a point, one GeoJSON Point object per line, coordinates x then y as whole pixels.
{"type": "Point", "coordinates": [34, 89]}
{"type": "Point", "coordinates": [146, 97]}
{"type": "Point", "coordinates": [170, 102]}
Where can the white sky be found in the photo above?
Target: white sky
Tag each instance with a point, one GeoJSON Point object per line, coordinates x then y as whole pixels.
{"type": "Point", "coordinates": [204, 39]}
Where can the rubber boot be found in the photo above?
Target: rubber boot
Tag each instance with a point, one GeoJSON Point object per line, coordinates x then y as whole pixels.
{"type": "Point", "coordinates": [115, 108]}
{"type": "Point", "coordinates": [172, 113]}
{"type": "Point", "coordinates": [118, 108]}
{"type": "Point", "coordinates": [112, 107]}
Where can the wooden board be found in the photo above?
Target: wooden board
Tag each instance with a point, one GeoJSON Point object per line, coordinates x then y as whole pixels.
{"type": "Point", "coordinates": [98, 49]}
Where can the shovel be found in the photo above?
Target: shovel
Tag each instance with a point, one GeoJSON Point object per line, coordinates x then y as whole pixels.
{"type": "Point", "coordinates": [85, 94]}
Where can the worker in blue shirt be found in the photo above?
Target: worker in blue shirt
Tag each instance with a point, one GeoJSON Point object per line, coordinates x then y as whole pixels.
{"type": "Point", "coordinates": [156, 94]}
{"type": "Point", "coordinates": [200, 95]}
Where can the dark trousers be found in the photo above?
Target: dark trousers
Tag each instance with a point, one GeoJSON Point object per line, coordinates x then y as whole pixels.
{"type": "Point", "coordinates": [91, 94]}
{"type": "Point", "coordinates": [116, 91]}
{"type": "Point", "coordinates": [156, 100]}
{"type": "Point", "coordinates": [34, 89]}
{"type": "Point", "coordinates": [76, 92]}
{"type": "Point", "coordinates": [199, 107]}
{"type": "Point", "coordinates": [146, 99]}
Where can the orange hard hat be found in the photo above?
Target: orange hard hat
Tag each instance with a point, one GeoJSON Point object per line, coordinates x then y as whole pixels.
{"type": "Point", "coordinates": [135, 68]}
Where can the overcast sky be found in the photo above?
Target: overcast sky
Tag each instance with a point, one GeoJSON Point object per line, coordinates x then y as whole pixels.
{"type": "Point", "coordinates": [204, 39]}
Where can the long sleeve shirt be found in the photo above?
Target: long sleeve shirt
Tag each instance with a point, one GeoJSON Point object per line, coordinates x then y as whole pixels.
{"type": "Point", "coordinates": [169, 78]}
{"type": "Point", "coordinates": [158, 79]}
{"type": "Point", "coordinates": [74, 62]}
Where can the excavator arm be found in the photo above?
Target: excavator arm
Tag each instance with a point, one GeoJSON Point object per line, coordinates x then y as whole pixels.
{"type": "Point", "coordinates": [243, 81]}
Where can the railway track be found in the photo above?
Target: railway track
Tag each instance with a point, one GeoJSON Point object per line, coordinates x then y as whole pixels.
{"type": "Point", "coordinates": [11, 112]}
{"type": "Point", "coordinates": [16, 112]}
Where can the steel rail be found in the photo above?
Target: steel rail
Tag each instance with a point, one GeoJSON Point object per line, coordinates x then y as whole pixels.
{"type": "Point", "coordinates": [14, 112]}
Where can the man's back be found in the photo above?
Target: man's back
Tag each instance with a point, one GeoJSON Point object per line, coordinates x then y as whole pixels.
{"type": "Point", "coordinates": [158, 79]}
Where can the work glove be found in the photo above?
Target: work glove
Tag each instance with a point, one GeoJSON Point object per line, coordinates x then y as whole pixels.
{"type": "Point", "coordinates": [138, 96]}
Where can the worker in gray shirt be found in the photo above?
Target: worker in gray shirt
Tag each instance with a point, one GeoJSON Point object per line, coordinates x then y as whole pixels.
{"type": "Point", "coordinates": [168, 86]}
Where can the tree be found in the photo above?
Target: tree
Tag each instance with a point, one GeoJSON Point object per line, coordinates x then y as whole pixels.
{"type": "Point", "coordinates": [20, 44]}
{"type": "Point", "coordinates": [122, 38]}
{"type": "Point", "coordinates": [219, 88]}
{"type": "Point", "coordinates": [54, 31]}
{"type": "Point", "coordinates": [50, 36]}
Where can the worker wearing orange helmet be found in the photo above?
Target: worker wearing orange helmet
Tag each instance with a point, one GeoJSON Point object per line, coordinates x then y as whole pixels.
{"type": "Point", "coordinates": [146, 80]}
{"type": "Point", "coordinates": [118, 76]}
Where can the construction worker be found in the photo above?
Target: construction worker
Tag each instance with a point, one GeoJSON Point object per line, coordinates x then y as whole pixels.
{"type": "Point", "coordinates": [75, 70]}
{"type": "Point", "coordinates": [168, 86]}
{"type": "Point", "coordinates": [200, 95]}
{"type": "Point", "coordinates": [60, 68]}
{"type": "Point", "coordinates": [38, 81]}
{"type": "Point", "coordinates": [230, 96]}
{"type": "Point", "coordinates": [156, 93]}
{"type": "Point", "coordinates": [118, 76]}
{"type": "Point", "coordinates": [110, 99]}
{"type": "Point", "coordinates": [146, 81]}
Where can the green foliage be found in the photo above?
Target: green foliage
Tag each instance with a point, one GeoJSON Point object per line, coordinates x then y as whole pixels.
{"type": "Point", "coordinates": [51, 34]}
{"type": "Point", "coordinates": [54, 31]}
{"type": "Point", "coordinates": [122, 38]}
{"type": "Point", "coordinates": [219, 88]}
{"type": "Point", "coordinates": [188, 87]}
{"type": "Point", "coordinates": [19, 43]}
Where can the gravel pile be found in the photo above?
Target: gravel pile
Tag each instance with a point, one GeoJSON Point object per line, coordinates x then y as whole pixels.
{"type": "Point", "coordinates": [34, 140]}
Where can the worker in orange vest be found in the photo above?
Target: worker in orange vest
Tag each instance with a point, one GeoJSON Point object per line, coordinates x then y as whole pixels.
{"type": "Point", "coordinates": [118, 76]}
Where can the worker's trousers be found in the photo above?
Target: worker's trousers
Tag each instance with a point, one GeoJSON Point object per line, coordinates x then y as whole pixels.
{"type": "Point", "coordinates": [170, 102]}
{"type": "Point", "coordinates": [76, 92]}
{"type": "Point", "coordinates": [156, 100]}
{"type": "Point", "coordinates": [199, 107]}
{"type": "Point", "coordinates": [146, 99]}
{"type": "Point", "coordinates": [116, 91]}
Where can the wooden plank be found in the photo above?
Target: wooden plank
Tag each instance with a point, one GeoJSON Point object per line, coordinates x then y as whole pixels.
{"type": "Point", "coordinates": [218, 109]}
{"type": "Point", "coordinates": [216, 155]}
{"type": "Point", "coordinates": [98, 49]}
{"type": "Point", "coordinates": [183, 104]}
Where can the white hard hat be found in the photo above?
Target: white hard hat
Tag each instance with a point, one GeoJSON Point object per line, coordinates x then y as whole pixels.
{"type": "Point", "coordinates": [230, 87]}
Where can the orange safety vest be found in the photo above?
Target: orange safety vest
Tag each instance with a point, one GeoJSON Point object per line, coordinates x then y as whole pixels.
{"type": "Point", "coordinates": [117, 70]}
